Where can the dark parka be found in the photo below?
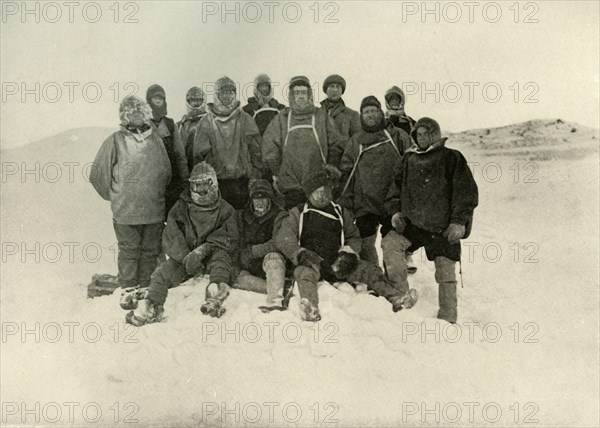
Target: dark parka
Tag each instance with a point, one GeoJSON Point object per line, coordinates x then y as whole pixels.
{"type": "Point", "coordinates": [189, 226]}
{"type": "Point", "coordinates": [434, 187]}
{"type": "Point", "coordinates": [257, 232]}
{"type": "Point", "coordinates": [346, 120]}
{"type": "Point", "coordinates": [263, 115]}
{"type": "Point", "coordinates": [369, 185]}
{"type": "Point", "coordinates": [289, 242]}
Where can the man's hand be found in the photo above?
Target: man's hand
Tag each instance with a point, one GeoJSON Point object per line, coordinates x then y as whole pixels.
{"type": "Point", "coordinates": [454, 233]}
{"type": "Point", "coordinates": [398, 223]}
{"type": "Point", "coordinates": [309, 258]}
{"type": "Point", "coordinates": [193, 261]}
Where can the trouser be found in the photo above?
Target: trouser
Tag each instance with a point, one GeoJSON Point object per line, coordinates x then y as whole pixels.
{"type": "Point", "coordinates": [139, 247]}
{"type": "Point", "coordinates": [273, 267]}
{"type": "Point", "coordinates": [235, 191]}
{"type": "Point", "coordinates": [366, 273]}
{"type": "Point", "coordinates": [172, 273]}
{"type": "Point", "coordinates": [439, 250]}
{"type": "Point", "coordinates": [368, 226]}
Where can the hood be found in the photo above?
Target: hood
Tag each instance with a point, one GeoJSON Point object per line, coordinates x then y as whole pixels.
{"type": "Point", "coordinates": [195, 92]}
{"type": "Point", "coordinates": [262, 99]}
{"type": "Point", "coordinates": [295, 109]}
{"type": "Point", "coordinates": [153, 91]}
{"type": "Point", "coordinates": [134, 102]}
{"type": "Point", "coordinates": [207, 195]}
{"type": "Point", "coordinates": [395, 90]}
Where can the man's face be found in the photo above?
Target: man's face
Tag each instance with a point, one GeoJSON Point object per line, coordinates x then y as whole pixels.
{"type": "Point", "coordinates": [300, 94]}
{"type": "Point", "coordinates": [321, 196]}
{"type": "Point", "coordinates": [195, 102]}
{"type": "Point", "coordinates": [260, 206]}
{"type": "Point", "coordinates": [135, 115]}
{"type": "Point", "coordinates": [157, 100]}
{"type": "Point", "coordinates": [226, 96]}
{"type": "Point", "coordinates": [264, 89]}
{"type": "Point", "coordinates": [394, 102]}
{"type": "Point", "coordinates": [424, 139]}
{"type": "Point", "coordinates": [334, 91]}
{"type": "Point", "coordinates": [371, 115]}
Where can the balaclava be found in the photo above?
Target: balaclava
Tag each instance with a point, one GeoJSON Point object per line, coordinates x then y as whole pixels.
{"type": "Point", "coordinates": [157, 91]}
{"type": "Point", "coordinates": [204, 187]}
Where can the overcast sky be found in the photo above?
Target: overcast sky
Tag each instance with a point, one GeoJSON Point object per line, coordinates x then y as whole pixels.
{"type": "Point", "coordinates": [452, 62]}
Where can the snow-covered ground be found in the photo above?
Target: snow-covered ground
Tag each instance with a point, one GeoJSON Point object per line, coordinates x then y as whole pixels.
{"type": "Point", "coordinates": [525, 351]}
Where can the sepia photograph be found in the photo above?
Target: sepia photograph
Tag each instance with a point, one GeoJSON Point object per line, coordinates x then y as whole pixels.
{"type": "Point", "coordinates": [300, 213]}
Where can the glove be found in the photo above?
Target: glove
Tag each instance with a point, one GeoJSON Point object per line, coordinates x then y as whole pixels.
{"type": "Point", "coordinates": [454, 232]}
{"type": "Point", "coordinates": [309, 258]}
{"type": "Point", "coordinates": [333, 173]}
{"type": "Point", "coordinates": [193, 261]}
{"type": "Point", "coordinates": [398, 222]}
{"type": "Point", "coordinates": [345, 264]}
{"type": "Point", "coordinates": [245, 256]}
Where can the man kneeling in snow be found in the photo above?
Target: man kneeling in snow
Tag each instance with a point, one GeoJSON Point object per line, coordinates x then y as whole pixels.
{"type": "Point", "coordinates": [432, 202]}
{"type": "Point", "coordinates": [322, 241]}
{"type": "Point", "coordinates": [201, 233]}
{"type": "Point", "coordinates": [258, 255]}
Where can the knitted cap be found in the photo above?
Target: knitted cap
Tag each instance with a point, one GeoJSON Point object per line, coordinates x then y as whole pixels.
{"type": "Point", "coordinates": [299, 81]}
{"type": "Point", "coordinates": [334, 78]}
{"type": "Point", "coordinates": [261, 189]}
{"type": "Point", "coordinates": [371, 100]}
{"type": "Point", "coordinates": [314, 181]}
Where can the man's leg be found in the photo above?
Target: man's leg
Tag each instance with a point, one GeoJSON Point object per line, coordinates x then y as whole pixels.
{"type": "Point", "coordinates": [220, 271]}
{"type": "Point", "coordinates": [150, 308]}
{"type": "Point", "coordinates": [129, 239]}
{"type": "Point", "coordinates": [367, 227]}
{"type": "Point", "coordinates": [445, 276]}
{"type": "Point", "coordinates": [150, 247]}
{"type": "Point", "coordinates": [394, 258]}
{"type": "Point", "coordinates": [274, 267]}
{"type": "Point", "coordinates": [307, 279]}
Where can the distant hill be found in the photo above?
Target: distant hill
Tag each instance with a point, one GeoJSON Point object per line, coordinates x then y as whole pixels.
{"type": "Point", "coordinates": [537, 139]}
{"type": "Point", "coordinates": [78, 144]}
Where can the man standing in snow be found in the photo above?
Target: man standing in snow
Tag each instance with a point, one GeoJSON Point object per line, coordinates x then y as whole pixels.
{"type": "Point", "coordinates": [432, 203]}
{"type": "Point", "coordinates": [299, 141]}
{"type": "Point", "coordinates": [166, 129]}
{"type": "Point", "coordinates": [322, 241]}
{"type": "Point", "coordinates": [196, 109]}
{"type": "Point", "coordinates": [229, 140]}
{"type": "Point", "coordinates": [132, 171]}
{"type": "Point", "coordinates": [395, 114]}
{"type": "Point", "coordinates": [346, 120]}
{"type": "Point", "coordinates": [200, 237]}
{"type": "Point", "coordinates": [367, 171]}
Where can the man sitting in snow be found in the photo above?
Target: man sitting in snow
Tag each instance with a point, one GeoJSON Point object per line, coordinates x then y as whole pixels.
{"type": "Point", "coordinates": [432, 202]}
{"type": "Point", "coordinates": [258, 255]}
{"type": "Point", "coordinates": [200, 235]}
{"type": "Point", "coordinates": [322, 241]}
